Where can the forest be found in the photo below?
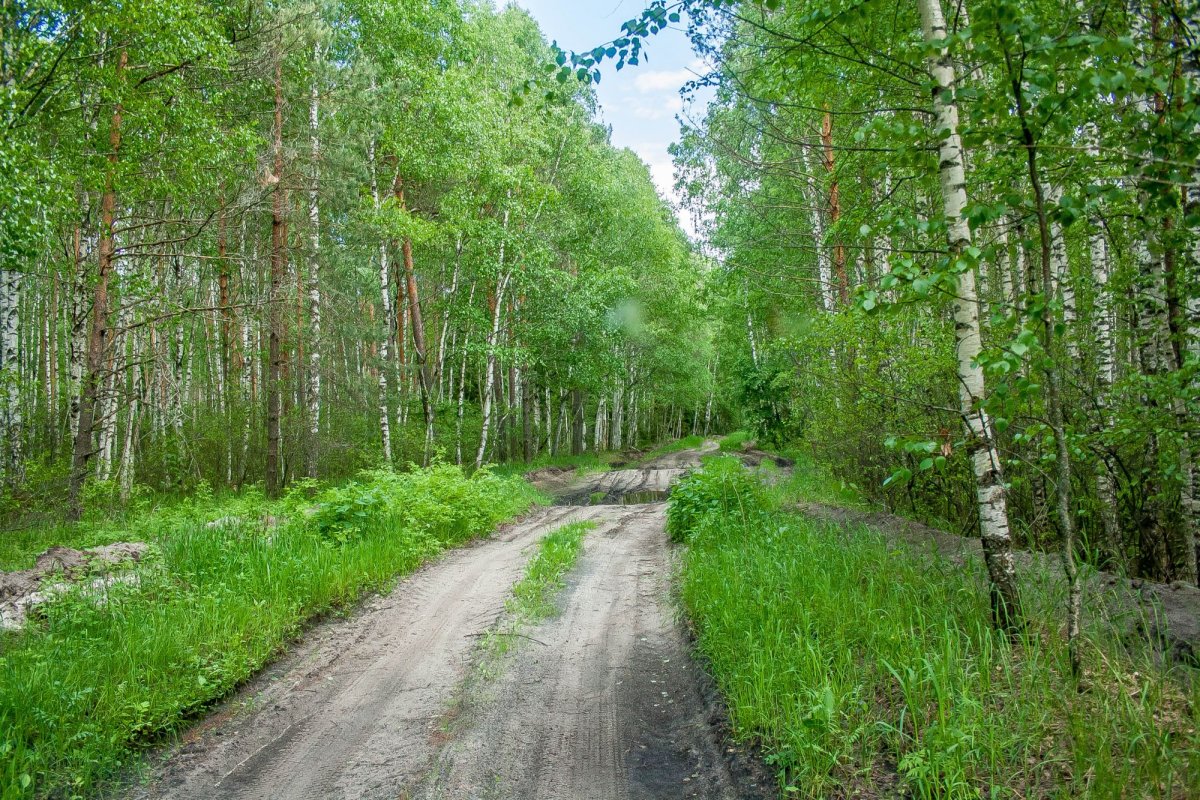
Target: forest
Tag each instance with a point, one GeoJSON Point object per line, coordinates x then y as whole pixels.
{"type": "Point", "coordinates": [336, 287]}
{"type": "Point", "coordinates": [294, 242]}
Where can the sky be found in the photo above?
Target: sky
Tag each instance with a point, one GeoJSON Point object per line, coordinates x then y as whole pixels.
{"type": "Point", "coordinates": [640, 103]}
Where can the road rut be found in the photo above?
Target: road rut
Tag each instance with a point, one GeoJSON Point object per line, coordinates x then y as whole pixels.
{"type": "Point", "coordinates": [349, 713]}
{"type": "Point", "coordinates": [605, 704]}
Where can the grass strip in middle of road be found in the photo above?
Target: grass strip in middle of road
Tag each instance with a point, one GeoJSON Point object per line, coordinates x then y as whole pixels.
{"type": "Point", "coordinates": [533, 596]}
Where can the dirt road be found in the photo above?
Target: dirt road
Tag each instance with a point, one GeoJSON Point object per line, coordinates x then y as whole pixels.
{"type": "Point", "coordinates": [601, 701]}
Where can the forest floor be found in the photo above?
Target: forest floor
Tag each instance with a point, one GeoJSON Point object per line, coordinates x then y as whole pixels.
{"type": "Point", "coordinates": [601, 700]}
{"type": "Point", "coordinates": [1166, 615]}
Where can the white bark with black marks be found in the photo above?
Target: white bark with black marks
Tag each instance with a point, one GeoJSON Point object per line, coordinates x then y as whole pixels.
{"type": "Point", "coordinates": [993, 510]}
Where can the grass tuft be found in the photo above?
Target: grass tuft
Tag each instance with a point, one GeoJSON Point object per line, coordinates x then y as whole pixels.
{"type": "Point", "coordinates": [545, 575]}
{"type": "Point", "coordinates": [533, 596]}
{"type": "Point", "coordinates": [734, 441]}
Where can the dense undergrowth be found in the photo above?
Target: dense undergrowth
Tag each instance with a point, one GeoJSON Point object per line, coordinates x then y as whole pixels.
{"type": "Point", "coordinates": [861, 666]}
{"type": "Point", "coordinates": [228, 584]}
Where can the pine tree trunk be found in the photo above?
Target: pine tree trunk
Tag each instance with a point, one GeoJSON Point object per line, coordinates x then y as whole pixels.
{"type": "Point", "coordinates": [993, 511]}
{"type": "Point", "coordinates": [835, 210]}
{"type": "Point", "coordinates": [419, 349]}
{"type": "Point", "coordinates": [278, 268]}
{"type": "Point", "coordinates": [98, 333]}
{"type": "Point", "coordinates": [528, 417]}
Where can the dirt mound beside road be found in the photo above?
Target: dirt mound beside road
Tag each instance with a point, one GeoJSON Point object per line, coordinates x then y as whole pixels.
{"type": "Point", "coordinates": [54, 571]}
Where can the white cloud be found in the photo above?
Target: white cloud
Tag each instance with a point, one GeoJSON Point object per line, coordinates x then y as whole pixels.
{"type": "Point", "coordinates": [662, 80]}
{"type": "Point", "coordinates": [667, 108]}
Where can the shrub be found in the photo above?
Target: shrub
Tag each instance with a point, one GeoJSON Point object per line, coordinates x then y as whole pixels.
{"type": "Point", "coordinates": [722, 488]}
{"type": "Point", "coordinates": [439, 502]}
{"type": "Point", "coordinates": [734, 441]}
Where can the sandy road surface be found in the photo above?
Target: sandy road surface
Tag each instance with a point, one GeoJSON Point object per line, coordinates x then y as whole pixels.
{"type": "Point", "coordinates": [607, 705]}
{"type": "Point", "coordinates": [349, 713]}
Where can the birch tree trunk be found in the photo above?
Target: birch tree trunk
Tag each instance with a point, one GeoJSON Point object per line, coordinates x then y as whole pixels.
{"type": "Point", "coordinates": [824, 268]}
{"type": "Point", "coordinates": [598, 428]}
{"type": "Point", "coordinates": [10, 374]}
{"type": "Point", "coordinates": [993, 511]}
{"type": "Point", "coordinates": [314, 279]}
{"type": "Point", "coordinates": [750, 327]}
{"type": "Point", "coordinates": [1105, 360]}
{"type": "Point", "coordinates": [78, 340]}
{"type": "Point", "coordinates": [132, 424]}
{"type": "Point", "coordinates": [385, 299]}
{"type": "Point", "coordinates": [462, 384]}
{"type": "Point", "coordinates": [1061, 268]}
{"type": "Point", "coordinates": [489, 389]}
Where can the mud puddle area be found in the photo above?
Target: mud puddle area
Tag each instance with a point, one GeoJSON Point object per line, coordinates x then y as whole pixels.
{"type": "Point", "coordinates": [633, 498]}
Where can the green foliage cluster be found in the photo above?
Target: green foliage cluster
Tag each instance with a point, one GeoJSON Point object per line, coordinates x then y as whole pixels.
{"type": "Point", "coordinates": [818, 172]}
{"type": "Point", "coordinates": [438, 502]}
{"type": "Point", "coordinates": [723, 488]}
{"type": "Point", "coordinates": [230, 583]}
{"type": "Point", "coordinates": [857, 664]}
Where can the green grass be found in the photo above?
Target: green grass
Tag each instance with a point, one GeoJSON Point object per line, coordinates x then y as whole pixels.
{"type": "Point", "coordinates": [734, 441]}
{"type": "Point", "coordinates": [809, 481]}
{"type": "Point", "coordinates": [860, 666]}
{"type": "Point", "coordinates": [83, 689]}
{"type": "Point", "coordinates": [533, 596]}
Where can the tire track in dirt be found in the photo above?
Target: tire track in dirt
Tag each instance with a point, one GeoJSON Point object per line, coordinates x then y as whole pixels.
{"type": "Point", "coordinates": [607, 705]}
{"type": "Point", "coordinates": [349, 713]}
